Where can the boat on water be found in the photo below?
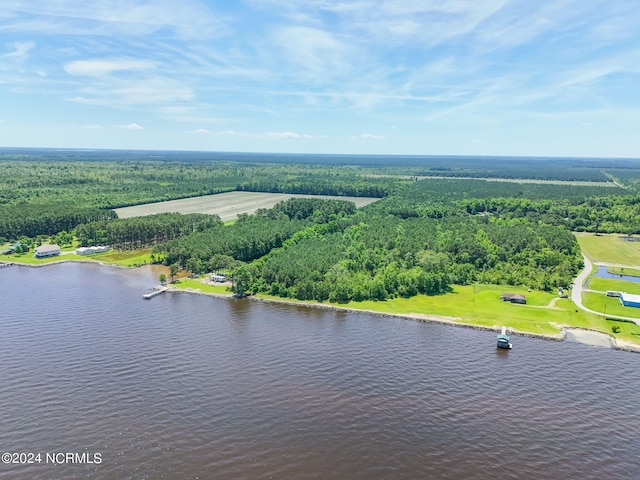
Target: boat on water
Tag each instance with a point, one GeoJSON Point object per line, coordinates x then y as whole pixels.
{"type": "Point", "coordinates": [503, 339]}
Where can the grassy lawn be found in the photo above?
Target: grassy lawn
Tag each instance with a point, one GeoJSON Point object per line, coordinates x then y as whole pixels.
{"type": "Point", "coordinates": [604, 284]}
{"type": "Point", "coordinates": [609, 249]}
{"type": "Point", "coordinates": [132, 258]}
{"type": "Point", "coordinates": [609, 305]}
{"type": "Point", "coordinates": [612, 306]}
{"type": "Point", "coordinates": [196, 284]}
{"type": "Point", "coordinates": [632, 272]}
{"type": "Point", "coordinates": [481, 305]}
{"type": "Point", "coordinates": [127, 258]}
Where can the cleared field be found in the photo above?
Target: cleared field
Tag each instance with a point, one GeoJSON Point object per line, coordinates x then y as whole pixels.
{"type": "Point", "coordinates": [227, 205]}
{"type": "Point", "coordinates": [609, 249]}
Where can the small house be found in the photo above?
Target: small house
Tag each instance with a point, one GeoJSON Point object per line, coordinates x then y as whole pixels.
{"type": "Point", "coordinates": [514, 298]}
{"type": "Point", "coordinates": [47, 250]}
{"type": "Point", "coordinates": [13, 247]}
{"type": "Point", "coordinates": [218, 277]}
{"type": "Point", "coordinates": [630, 300]}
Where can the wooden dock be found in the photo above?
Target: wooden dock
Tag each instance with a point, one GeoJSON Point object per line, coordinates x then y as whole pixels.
{"type": "Point", "coordinates": [156, 292]}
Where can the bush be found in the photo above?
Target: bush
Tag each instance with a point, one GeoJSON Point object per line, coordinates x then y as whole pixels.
{"type": "Point", "coordinates": [615, 329]}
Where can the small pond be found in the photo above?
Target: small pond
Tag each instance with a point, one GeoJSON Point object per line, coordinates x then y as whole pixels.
{"type": "Point", "coordinates": [603, 273]}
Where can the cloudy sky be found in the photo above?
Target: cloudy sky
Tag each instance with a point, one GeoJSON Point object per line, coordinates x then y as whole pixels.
{"type": "Point", "coordinates": [486, 77]}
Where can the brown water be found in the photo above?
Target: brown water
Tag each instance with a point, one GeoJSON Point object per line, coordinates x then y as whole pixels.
{"type": "Point", "coordinates": [185, 387]}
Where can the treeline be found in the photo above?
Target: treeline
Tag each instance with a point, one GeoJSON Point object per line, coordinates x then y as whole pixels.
{"type": "Point", "coordinates": [139, 232]}
{"type": "Point", "coordinates": [347, 187]}
{"type": "Point", "coordinates": [30, 220]}
{"type": "Point", "coordinates": [610, 214]}
{"type": "Point", "coordinates": [578, 208]}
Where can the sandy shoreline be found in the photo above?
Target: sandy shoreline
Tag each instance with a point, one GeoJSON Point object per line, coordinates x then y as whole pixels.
{"type": "Point", "coordinates": [580, 335]}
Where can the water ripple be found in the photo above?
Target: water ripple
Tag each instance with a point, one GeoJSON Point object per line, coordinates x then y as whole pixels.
{"type": "Point", "coordinates": [184, 386]}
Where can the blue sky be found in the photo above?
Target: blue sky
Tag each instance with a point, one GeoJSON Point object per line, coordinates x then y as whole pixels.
{"type": "Point", "coordinates": [485, 77]}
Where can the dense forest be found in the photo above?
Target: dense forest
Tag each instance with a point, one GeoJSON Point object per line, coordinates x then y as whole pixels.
{"type": "Point", "coordinates": [315, 249]}
{"type": "Point", "coordinates": [422, 236]}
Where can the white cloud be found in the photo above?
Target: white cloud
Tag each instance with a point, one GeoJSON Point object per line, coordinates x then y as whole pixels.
{"type": "Point", "coordinates": [131, 126]}
{"type": "Point", "coordinates": [202, 131]}
{"type": "Point", "coordinates": [283, 135]}
{"type": "Point", "coordinates": [112, 18]}
{"type": "Point", "coordinates": [314, 50]}
{"type": "Point", "coordinates": [100, 67]}
{"type": "Point", "coordinates": [22, 49]}
{"type": "Point", "coordinates": [368, 136]}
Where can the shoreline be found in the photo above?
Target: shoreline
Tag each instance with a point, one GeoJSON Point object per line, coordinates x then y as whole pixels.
{"type": "Point", "coordinates": [439, 319]}
{"type": "Point", "coordinates": [422, 317]}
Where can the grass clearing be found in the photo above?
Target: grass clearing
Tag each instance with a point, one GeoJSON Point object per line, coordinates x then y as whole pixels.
{"type": "Point", "coordinates": [632, 272]}
{"type": "Point", "coordinates": [227, 205]}
{"type": "Point", "coordinates": [604, 284]}
{"type": "Point", "coordinates": [129, 258]}
{"type": "Point", "coordinates": [609, 305]}
{"type": "Point", "coordinates": [125, 258]}
{"type": "Point", "coordinates": [481, 305]}
{"type": "Point", "coordinates": [609, 249]}
{"type": "Point", "coordinates": [196, 284]}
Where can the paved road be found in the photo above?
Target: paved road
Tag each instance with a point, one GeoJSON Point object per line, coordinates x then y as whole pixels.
{"type": "Point", "coordinates": [577, 289]}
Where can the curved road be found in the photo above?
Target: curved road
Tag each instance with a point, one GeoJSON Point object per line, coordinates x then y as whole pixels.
{"type": "Point", "coordinates": [576, 293]}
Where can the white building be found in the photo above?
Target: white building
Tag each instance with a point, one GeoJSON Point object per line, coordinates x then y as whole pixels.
{"type": "Point", "coordinates": [92, 250]}
{"type": "Point", "coordinates": [47, 250]}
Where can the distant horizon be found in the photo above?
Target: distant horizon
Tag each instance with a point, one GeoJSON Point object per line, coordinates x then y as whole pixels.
{"type": "Point", "coordinates": [289, 154]}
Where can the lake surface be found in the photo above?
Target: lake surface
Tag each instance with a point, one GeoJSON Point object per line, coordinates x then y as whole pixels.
{"type": "Point", "coordinates": [185, 386]}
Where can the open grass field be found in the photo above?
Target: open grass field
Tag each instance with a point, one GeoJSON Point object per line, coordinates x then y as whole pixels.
{"type": "Point", "coordinates": [196, 284]}
{"type": "Point", "coordinates": [132, 258]}
{"type": "Point", "coordinates": [609, 305]}
{"type": "Point", "coordinates": [226, 205]}
{"type": "Point", "coordinates": [481, 305]}
{"type": "Point", "coordinates": [604, 284]}
{"type": "Point", "coordinates": [609, 249]}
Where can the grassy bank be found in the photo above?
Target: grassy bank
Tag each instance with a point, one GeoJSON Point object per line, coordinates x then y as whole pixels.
{"type": "Point", "coordinates": [631, 272]}
{"type": "Point", "coordinates": [544, 314]}
{"type": "Point", "coordinates": [129, 258]}
{"type": "Point", "coordinates": [604, 284]}
{"type": "Point", "coordinates": [196, 284]}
